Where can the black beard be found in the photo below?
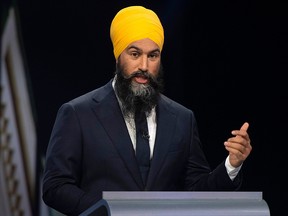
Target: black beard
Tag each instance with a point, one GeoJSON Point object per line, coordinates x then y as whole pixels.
{"type": "Point", "coordinates": [137, 97]}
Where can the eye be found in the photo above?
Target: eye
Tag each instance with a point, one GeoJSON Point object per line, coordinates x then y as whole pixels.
{"type": "Point", "coordinates": [134, 54]}
{"type": "Point", "coordinates": [154, 55]}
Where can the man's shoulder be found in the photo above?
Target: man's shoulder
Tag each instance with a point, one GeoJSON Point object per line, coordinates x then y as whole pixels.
{"type": "Point", "coordinates": [95, 94]}
{"type": "Point", "coordinates": [166, 101]}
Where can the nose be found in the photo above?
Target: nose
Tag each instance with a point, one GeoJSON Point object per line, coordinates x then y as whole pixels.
{"type": "Point", "coordinates": [143, 65]}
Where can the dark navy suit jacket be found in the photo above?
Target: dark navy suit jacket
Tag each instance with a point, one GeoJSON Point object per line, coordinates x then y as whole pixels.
{"type": "Point", "coordinates": [90, 151]}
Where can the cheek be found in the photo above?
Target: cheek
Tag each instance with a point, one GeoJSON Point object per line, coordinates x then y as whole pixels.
{"type": "Point", "coordinates": [128, 70]}
{"type": "Point", "coordinates": [154, 69]}
{"type": "Point", "coordinates": [129, 67]}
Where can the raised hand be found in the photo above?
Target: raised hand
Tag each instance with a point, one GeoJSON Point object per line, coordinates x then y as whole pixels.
{"type": "Point", "coordinates": [239, 146]}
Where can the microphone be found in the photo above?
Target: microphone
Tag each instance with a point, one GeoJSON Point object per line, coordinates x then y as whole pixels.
{"type": "Point", "coordinates": [145, 135]}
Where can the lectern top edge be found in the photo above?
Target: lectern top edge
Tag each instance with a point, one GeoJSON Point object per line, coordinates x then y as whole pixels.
{"type": "Point", "coordinates": [156, 195]}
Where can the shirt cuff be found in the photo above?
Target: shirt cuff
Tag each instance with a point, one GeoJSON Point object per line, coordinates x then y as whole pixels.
{"type": "Point", "coordinates": [232, 171]}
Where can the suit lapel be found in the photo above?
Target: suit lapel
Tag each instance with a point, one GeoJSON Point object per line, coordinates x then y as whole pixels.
{"type": "Point", "coordinates": [109, 114]}
{"type": "Point", "coordinates": [107, 110]}
{"type": "Point", "coordinates": [165, 128]}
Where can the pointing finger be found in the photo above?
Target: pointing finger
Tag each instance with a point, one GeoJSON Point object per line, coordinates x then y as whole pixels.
{"type": "Point", "coordinates": [245, 126]}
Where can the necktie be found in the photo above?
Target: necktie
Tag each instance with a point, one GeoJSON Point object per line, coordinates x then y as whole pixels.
{"type": "Point", "coordinates": [142, 144]}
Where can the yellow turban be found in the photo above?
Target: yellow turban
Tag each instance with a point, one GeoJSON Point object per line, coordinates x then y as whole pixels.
{"type": "Point", "coordinates": [135, 23]}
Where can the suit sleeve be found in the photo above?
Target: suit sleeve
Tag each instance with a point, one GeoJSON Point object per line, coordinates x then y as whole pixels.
{"type": "Point", "coordinates": [63, 165]}
{"type": "Point", "coordinates": [199, 176]}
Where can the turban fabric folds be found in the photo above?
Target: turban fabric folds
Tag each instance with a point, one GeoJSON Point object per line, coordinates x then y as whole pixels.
{"type": "Point", "coordinates": [135, 23]}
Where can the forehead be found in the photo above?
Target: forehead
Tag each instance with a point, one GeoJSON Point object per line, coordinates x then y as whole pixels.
{"type": "Point", "coordinates": [145, 44]}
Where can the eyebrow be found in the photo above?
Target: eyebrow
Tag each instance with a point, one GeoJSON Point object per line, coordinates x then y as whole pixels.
{"type": "Point", "coordinates": [135, 47]}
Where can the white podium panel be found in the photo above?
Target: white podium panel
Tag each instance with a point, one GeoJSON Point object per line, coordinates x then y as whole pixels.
{"type": "Point", "coordinates": [183, 204]}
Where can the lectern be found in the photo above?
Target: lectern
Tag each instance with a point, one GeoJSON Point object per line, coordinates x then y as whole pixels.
{"type": "Point", "coordinates": [180, 203]}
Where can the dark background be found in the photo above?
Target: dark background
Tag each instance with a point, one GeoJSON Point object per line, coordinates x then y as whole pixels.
{"type": "Point", "coordinates": [226, 60]}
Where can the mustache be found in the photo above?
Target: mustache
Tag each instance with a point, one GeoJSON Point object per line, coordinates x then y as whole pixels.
{"type": "Point", "coordinates": [138, 73]}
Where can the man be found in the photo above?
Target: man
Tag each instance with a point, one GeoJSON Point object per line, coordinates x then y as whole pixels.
{"type": "Point", "coordinates": [93, 143]}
